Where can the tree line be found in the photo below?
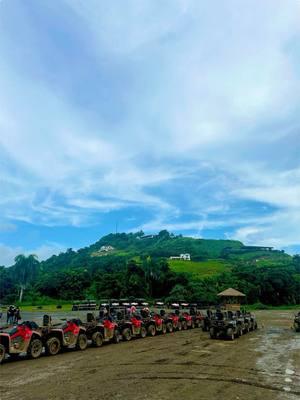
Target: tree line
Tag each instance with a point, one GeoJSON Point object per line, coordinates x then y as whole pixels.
{"type": "Point", "coordinates": [118, 276]}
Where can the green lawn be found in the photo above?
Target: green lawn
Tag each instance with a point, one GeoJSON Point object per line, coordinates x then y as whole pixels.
{"type": "Point", "coordinates": [199, 269]}
{"type": "Point", "coordinates": [46, 308]}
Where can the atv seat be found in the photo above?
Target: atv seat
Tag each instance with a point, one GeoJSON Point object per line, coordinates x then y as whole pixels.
{"type": "Point", "coordinates": [47, 320]}
{"type": "Point", "coordinates": [90, 317]}
{"type": "Point", "coordinates": [31, 325]}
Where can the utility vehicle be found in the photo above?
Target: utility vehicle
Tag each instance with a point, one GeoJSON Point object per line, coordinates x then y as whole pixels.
{"type": "Point", "coordinates": [225, 325]}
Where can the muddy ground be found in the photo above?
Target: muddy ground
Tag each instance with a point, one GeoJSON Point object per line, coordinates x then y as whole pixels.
{"type": "Point", "coordinates": [185, 365]}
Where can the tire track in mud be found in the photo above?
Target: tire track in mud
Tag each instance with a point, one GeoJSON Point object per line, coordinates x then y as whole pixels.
{"type": "Point", "coordinates": [210, 377]}
{"type": "Point", "coordinates": [206, 365]}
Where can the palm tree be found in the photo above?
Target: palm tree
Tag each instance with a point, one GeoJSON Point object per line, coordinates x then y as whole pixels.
{"type": "Point", "coordinates": [26, 269]}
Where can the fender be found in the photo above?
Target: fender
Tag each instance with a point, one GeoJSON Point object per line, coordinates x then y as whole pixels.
{"type": "Point", "coordinates": [136, 322]}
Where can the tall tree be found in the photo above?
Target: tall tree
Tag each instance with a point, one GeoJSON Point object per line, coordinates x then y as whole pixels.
{"type": "Point", "coordinates": [26, 269]}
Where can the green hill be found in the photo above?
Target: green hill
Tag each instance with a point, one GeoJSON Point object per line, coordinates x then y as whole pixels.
{"type": "Point", "coordinates": [138, 265]}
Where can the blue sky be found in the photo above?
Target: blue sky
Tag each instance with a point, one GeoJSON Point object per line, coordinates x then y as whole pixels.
{"type": "Point", "coordinates": [175, 114]}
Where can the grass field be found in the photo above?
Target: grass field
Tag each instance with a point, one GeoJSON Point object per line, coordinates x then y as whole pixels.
{"type": "Point", "coordinates": [47, 308]}
{"type": "Point", "coordinates": [199, 269]}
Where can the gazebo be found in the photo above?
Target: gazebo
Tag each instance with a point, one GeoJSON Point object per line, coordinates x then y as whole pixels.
{"type": "Point", "coordinates": [231, 299]}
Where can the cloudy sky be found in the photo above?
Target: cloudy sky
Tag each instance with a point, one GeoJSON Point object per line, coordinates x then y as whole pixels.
{"type": "Point", "coordinates": [148, 114]}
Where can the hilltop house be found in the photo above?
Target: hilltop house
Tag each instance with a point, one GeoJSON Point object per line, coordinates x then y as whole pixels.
{"type": "Point", "coordinates": [106, 248]}
{"type": "Point", "coordinates": [185, 257]}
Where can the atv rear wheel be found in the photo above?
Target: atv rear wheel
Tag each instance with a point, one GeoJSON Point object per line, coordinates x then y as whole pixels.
{"type": "Point", "coordinates": [151, 330]}
{"type": "Point", "coordinates": [143, 332]}
{"type": "Point", "coordinates": [126, 334]}
{"type": "Point", "coordinates": [97, 339]}
{"type": "Point", "coordinates": [82, 342]}
{"type": "Point", "coordinates": [35, 348]}
{"type": "Point", "coordinates": [53, 346]}
{"type": "Point", "coordinates": [116, 338]}
{"type": "Point", "coordinates": [169, 327]}
{"type": "Point", "coordinates": [2, 353]}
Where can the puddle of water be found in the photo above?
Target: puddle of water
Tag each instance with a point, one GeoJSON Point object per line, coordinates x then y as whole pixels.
{"type": "Point", "coordinates": [276, 351]}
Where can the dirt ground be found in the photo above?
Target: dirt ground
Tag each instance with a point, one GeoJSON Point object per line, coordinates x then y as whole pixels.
{"type": "Point", "coordinates": [184, 365]}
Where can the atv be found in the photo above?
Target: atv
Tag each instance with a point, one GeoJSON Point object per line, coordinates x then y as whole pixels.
{"type": "Point", "coordinates": [23, 338]}
{"type": "Point", "coordinates": [250, 321]}
{"type": "Point", "coordinates": [196, 315]}
{"type": "Point", "coordinates": [130, 325]}
{"type": "Point", "coordinates": [242, 322]}
{"type": "Point", "coordinates": [175, 320]}
{"type": "Point", "coordinates": [297, 322]}
{"type": "Point", "coordinates": [187, 321]}
{"type": "Point", "coordinates": [153, 322]}
{"type": "Point", "coordinates": [99, 332]}
{"type": "Point", "coordinates": [70, 334]}
{"type": "Point", "coordinates": [224, 325]}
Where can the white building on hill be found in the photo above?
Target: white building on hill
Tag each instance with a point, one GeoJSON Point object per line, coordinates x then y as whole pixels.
{"type": "Point", "coordinates": [106, 248]}
{"type": "Point", "coordinates": [185, 257]}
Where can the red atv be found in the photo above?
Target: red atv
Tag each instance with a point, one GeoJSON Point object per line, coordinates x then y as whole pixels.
{"type": "Point", "coordinates": [187, 321]}
{"type": "Point", "coordinates": [100, 332]}
{"type": "Point", "coordinates": [175, 321]}
{"type": "Point", "coordinates": [109, 331]}
{"type": "Point", "coordinates": [24, 338]}
{"type": "Point", "coordinates": [72, 334]}
{"type": "Point", "coordinates": [132, 327]}
{"type": "Point", "coordinates": [199, 319]}
{"type": "Point", "coordinates": [153, 322]}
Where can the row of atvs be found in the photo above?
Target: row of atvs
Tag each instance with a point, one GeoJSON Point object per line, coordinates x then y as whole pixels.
{"type": "Point", "coordinates": [30, 338]}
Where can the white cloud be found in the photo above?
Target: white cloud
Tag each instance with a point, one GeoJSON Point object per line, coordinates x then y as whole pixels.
{"type": "Point", "coordinates": [208, 97]}
{"type": "Point", "coordinates": [8, 253]}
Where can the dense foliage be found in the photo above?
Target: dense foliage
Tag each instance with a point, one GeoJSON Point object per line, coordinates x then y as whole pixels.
{"type": "Point", "coordinates": [138, 266]}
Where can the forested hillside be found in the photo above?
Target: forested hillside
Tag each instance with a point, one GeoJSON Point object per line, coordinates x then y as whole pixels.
{"type": "Point", "coordinates": [125, 265]}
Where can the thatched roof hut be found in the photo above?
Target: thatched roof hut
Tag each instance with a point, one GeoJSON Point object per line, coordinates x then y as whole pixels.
{"type": "Point", "coordinates": [231, 293]}
{"type": "Point", "coordinates": [232, 298]}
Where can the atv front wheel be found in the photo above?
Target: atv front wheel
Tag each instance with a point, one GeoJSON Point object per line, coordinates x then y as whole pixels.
{"type": "Point", "coordinates": [151, 330]}
{"type": "Point", "coordinates": [184, 325]}
{"type": "Point", "coordinates": [169, 327]}
{"type": "Point", "coordinates": [126, 334]}
{"type": "Point", "coordinates": [53, 346]}
{"type": "Point", "coordinates": [193, 325]}
{"type": "Point", "coordinates": [82, 342]}
{"type": "Point", "coordinates": [2, 353]}
{"type": "Point", "coordinates": [116, 338]}
{"type": "Point", "coordinates": [179, 326]}
{"type": "Point", "coordinates": [97, 339]}
{"type": "Point", "coordinates": [143, 332]}
{"type": "Point", "coordinates": [164, 329]}
{"type": "Point", "coordinates": [35, 348]}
